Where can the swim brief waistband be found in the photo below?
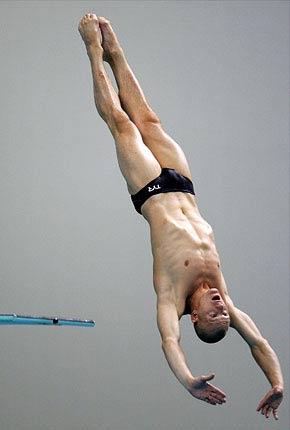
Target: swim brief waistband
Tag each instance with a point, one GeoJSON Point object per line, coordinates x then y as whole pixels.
{"type": "Point", "coordinates": [169, 180]}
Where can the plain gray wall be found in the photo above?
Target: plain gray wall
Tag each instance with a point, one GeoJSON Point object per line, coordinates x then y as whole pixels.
{"type": "Point", "coordinates": [72, 244]}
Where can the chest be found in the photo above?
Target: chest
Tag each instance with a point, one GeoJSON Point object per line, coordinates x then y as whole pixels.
{"type": "Point", "coordinates": [182, 249]}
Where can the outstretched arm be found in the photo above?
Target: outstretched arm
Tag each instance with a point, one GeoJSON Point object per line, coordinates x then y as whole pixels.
{"type": "Point", "coordinates": [265, 357]}
{"type": "Point", "coordinates": [168, 324]}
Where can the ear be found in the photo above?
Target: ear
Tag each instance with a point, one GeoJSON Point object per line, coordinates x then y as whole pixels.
{"type": "Point", "coordinates": [194, 316]}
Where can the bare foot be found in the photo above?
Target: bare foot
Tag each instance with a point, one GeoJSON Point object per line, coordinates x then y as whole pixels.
{"type": "Point", "coordinates": [110, 41]}
{"type": "Point", "coordinates": [90, 31]}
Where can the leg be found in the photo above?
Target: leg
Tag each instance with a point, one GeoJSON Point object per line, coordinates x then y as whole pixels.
{"type": "Point", "coordinates": [165, 149]}
{"type": "Point", "coordinates": [136, 161]}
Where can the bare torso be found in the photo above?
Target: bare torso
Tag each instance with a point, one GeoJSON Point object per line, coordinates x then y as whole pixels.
{"type": "Point", "coordinates": [183, 248]}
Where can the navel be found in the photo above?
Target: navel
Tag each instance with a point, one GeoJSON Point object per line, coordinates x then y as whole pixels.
{"type": "Point", "coordinates": [186, 263]}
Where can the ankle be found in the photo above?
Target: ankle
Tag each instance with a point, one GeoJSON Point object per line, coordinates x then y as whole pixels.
{"type": "Point", "coordinates": [94, 50]}
{"type": "Point", "coordinates": [116, 51]}
{"type": "Point", "coordinates": [115, 55]}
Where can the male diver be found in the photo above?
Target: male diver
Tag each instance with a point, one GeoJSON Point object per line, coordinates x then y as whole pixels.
{"type": "Point", "coordinates": [187, 275]}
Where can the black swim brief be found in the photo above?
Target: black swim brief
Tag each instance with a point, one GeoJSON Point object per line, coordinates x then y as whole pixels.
{"type": "Point", "coordinates": [168, 181]}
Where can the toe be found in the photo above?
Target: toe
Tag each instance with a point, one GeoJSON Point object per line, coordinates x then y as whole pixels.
{"type": "Point", "coordinates": [103, 20]}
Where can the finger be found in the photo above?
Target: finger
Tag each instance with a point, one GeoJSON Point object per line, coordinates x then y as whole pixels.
{"type": "Point", "coordinates": [217, 400]}
{"type": "Point", "coordinates": [208, 377]}
{"type": "Point", "coordinates": [260, 405]}
{"type": "Point", "coordinates": [217, 391]}
{"type": "Point", "coordinates": [212, 401]}
{"type": "Point", "coordinates": [268, 411]}
{"type": "Point", "coordinates": [209, 400]}
{"type": "Point", "coordinates": [218, 396]}
{"type": "Point", "coordinates": [275, 414]}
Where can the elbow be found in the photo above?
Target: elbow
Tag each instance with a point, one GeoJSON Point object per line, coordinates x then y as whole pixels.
{"type": "Point", "coordinates": [260, 343]}
{"type": "Point", "coordinates": [168, 342]}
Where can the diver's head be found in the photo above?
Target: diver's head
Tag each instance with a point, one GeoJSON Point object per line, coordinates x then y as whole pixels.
{"type": "Point", "coordinates": [209, 314]}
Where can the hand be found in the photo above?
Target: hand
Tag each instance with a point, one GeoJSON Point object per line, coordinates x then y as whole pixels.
{"type": "Point", "coordinates": [271, 402]}
{"type": "Point", "coordinates": [200, 389]}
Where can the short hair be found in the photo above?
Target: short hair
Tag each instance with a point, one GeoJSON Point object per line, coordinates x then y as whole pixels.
{"type": "Point", "coordinates": [210, 337]}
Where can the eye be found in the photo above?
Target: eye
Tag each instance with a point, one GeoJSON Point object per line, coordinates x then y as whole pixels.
{"type": "Point", "coordinates": [213, 315]}
{"type": "Point", "coordinates": [225, 313]}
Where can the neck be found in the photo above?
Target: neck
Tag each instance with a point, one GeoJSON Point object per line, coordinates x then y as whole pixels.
{"type": "Point", "coordinates": [195, 297]}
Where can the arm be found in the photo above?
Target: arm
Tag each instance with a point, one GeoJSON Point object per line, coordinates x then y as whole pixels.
{"type": "Point", "coordinates": [264, 356]}
{"type": "Point", "coordinates": [168, 325]}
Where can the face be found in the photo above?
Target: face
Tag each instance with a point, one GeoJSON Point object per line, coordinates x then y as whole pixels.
{"type": "Point", "coordinates": [210, 309]}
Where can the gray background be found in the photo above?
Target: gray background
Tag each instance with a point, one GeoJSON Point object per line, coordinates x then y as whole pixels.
{"type": "Point", "coordinates": [71, 243]}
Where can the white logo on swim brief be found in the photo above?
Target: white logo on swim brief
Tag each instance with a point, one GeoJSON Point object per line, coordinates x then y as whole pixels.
{"type": "Point", "coordinates": [155, 187]}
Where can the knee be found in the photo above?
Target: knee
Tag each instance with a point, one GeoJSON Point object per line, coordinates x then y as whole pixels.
{"type": "Point", "coordinates": [119, 122]}
{"type": "Point", "coordinates": [149, 124]}
{"type": "Point", "coordinates": [148, 119]}
{"type": "Point", "coordinates": [119, 117]}
{"type": "Point", "coordinates": [150, 127]}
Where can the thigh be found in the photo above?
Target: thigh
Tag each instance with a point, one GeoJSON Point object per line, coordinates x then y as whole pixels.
{"type": "Point", "coordinates": [137, 163]}
{"type": "Point", "coordinates": [167, 152]}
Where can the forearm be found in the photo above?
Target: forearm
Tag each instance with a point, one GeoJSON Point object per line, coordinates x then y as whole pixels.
{"type": "Point", "coordinates": [266, 358]}
{"type": "Point", "coordinates": [177, 363]}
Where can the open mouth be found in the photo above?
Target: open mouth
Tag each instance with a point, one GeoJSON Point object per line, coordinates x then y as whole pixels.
{"type": "Point", "coordinates": [215, 295]}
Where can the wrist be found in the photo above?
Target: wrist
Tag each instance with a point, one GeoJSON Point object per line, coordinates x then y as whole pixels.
{"type": "Point", "coordinates": [278, 388]}
{"type": "Point", "coordinates": [189, 383]}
